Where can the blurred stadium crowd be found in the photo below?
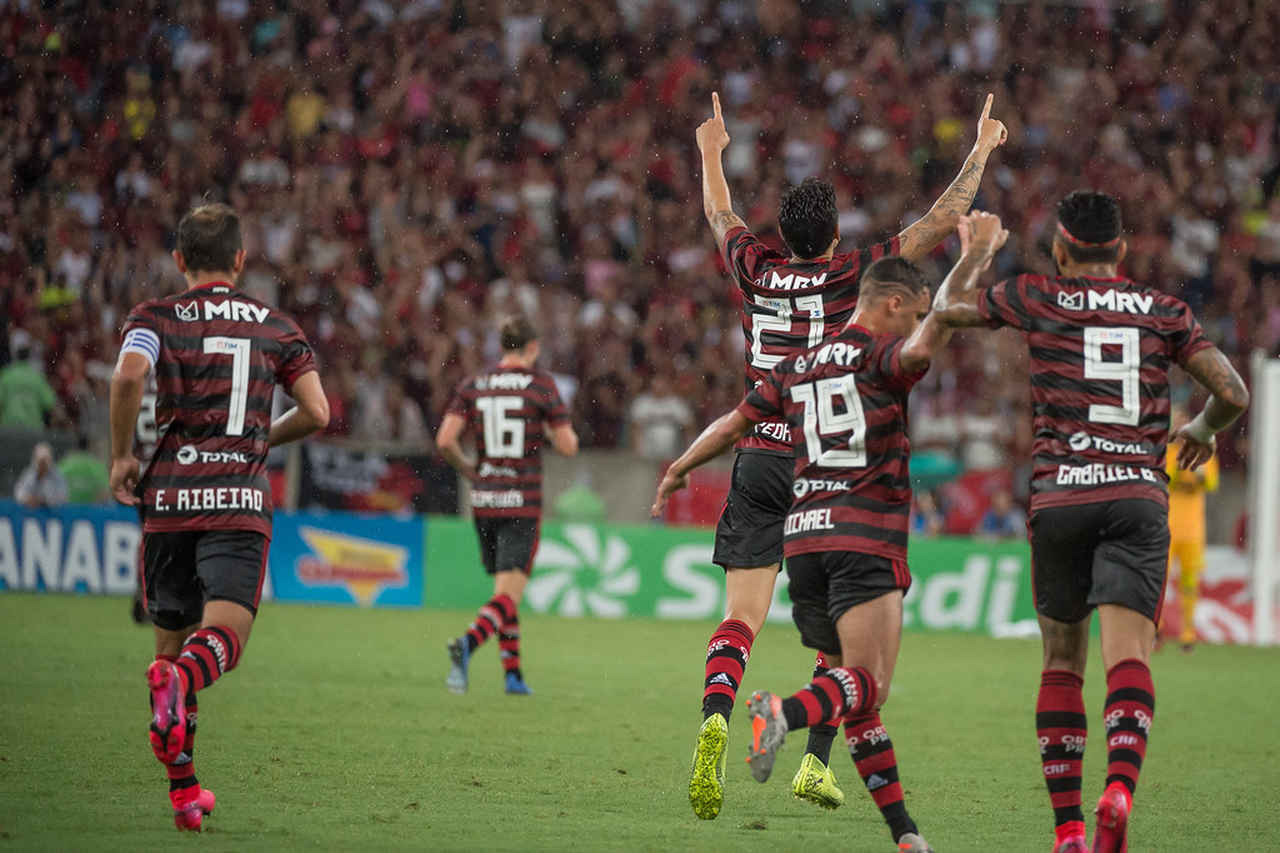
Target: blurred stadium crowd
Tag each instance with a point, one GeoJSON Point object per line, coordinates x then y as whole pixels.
{"type": "Point", "coordinates": [408, 169]}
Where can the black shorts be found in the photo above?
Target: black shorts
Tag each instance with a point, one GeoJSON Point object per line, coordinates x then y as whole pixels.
{"type": "Point", "coordinates": [1112, 552]}
{"type": "Point", "coordinates": [508, 544]}
{"type": "Point", "coordinates": [824, 586]}
{"type": "Point", "coordinates": [184, 570]}
{"type": "Point", "coordinates": [749, 534]}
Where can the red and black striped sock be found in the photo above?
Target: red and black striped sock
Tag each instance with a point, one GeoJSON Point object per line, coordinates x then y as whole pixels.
{"type": "Point", "coordinates": [489, 619]}
{"type": "Point", "coordinates": [1061, 726]}
{"type": "Point", "coordinates": [831, 696]}
{"type": "Point", "coordinates": [1131, 705]}
{"type": "Point", "coordinates": [509, 646]}
{"type": "Point", "coordinates": [727, 654]}
{"type": "Point", "coordinates": [207, 655]}
{"type": "Point", "coordinates": [822, 735]}
{"type": "Point", "coordinates": [872, 754]}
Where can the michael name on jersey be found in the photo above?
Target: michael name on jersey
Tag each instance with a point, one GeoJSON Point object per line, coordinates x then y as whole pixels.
{"type": "Point", "coordinates": [1107, 300]}
{"type": "Point", "coordinates": [214, 499]}
{"type": "Point", "coordinates": [810, 519]}
{"type": "Point", "coordinates": [233, 310]}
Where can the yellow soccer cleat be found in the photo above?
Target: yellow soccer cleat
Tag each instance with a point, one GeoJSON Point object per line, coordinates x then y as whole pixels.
{"type": "Point", "coordinates": [706, 777]}
{"type": "Point", "coordinates": [816, 783]}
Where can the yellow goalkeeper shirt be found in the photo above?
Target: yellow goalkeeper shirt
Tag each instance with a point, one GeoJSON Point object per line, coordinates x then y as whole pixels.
{"type": "Point", "coordinates": [1186, 496]}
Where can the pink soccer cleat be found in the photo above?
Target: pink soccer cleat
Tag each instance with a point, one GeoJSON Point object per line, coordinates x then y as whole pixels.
{"type": "Point", "coordinates": [1074, 844]}
{"type": "Point", "coordinates": [188, 811]}
{"type": "Point", "coordinates": [168, 710]}
{"type": "Point", "coordinates": [1111, 835]}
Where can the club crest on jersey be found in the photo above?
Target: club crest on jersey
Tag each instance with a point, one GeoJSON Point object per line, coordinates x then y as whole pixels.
{"type": "Point", "coordinates": [1106, 300]}
{"type": "Point", "coordinates": [187, 313]}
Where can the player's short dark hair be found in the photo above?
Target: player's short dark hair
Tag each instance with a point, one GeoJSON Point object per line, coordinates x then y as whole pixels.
{"type": "Point", "coordinates": [516, 332]}
{"type": "Point", "coordinates": [807, 217]}
{"type": "Point", "coordinates": [1089, 227]}
{"type": "Point", "coordinates": [893, 275]}
{"type": "Point", "coordinates": [209, 238]}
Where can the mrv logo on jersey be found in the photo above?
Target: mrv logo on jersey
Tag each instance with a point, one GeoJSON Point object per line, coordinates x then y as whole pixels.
{"type": "Point", "coordinates": [233, 310]}
{"type": "Point", "coordinates": [773, 281]}
{"type": "Point", "coordinates": [1106, 300]}
{"type": "Point", "coordinates": [1082, 441]}
{"type": "Point", "coordinates": [802, 487]}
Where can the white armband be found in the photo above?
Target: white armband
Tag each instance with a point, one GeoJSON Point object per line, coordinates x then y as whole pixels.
{"type": "Point", "coordinates": [144, 342]}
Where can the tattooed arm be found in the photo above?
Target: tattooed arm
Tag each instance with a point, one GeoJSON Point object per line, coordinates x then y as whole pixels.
{"type": "Point", "coordinates": [923, 236]}
{"type": "Point", "coordinates": [1230, 398]}
{"type": "Point", "coordinates": [716, 204]}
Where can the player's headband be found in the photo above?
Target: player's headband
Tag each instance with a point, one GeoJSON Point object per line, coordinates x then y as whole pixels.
{"type": "Point", "coordinates": [1076, 241]}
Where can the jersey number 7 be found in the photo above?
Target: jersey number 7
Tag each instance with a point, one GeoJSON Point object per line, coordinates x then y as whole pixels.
{"type": "Point", "coordinates": [239, 349]}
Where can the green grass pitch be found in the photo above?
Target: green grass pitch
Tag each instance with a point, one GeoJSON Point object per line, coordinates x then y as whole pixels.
{"type": "Point", "coordinates": [336, 733]}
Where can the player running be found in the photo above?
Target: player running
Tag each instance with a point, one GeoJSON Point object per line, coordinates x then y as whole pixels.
{"type": "Point", "coordinates": [1101, 348]}
{"type": "Point", "coordinates": [790, 301]}
{"type": "Point", "coordinates": [217, 356]}
{"type": "Point", "coordinates": [845, 532]}
{"type": "Point", "coordinates": [510, 407]}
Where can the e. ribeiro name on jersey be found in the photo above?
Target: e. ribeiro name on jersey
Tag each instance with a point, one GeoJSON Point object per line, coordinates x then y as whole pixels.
{"type": "Point", "coordinates": [788, 308]}
{"type": "Point", "coordinates": [846, 404]}
{"type": "Point", "coordinates": [217, 355]}
{"type": "Point", "coordinates": [1100, 351]}
{"type": "Point", "coordinates": [508, 409]}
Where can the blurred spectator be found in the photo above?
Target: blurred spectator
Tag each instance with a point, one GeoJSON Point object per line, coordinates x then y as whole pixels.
{"type": "Point", "coordinates": [41, 484]}
{"type": "Point", "coordinates": [926, 518]}
{"type": "Point", "coordinates": [1003, 519]}
{"type": "Point", "coordinates": [660, 421]}
{"type": "Point", "coordinates": [26, 398]}
{"type": "Point", "coordinates": [86, 476]}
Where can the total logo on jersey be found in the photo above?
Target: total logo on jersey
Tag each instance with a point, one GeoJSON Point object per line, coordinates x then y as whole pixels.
{"type": "Point", "coordinates": [1082, 441]}
{"type": "Point", "coordinates": [1106, 300]}
{"type": "Point", "coordinates": [802, 486]}
{"type": "Point", "coordinates": [188, 455]}
{"type": "Point", "coordinates": [232, 309]}
{"type": "Point", "coordinates": [488, 469]}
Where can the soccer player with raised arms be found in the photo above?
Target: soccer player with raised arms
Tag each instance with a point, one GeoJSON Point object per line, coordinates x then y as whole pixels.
{"type": "Point", "coordinates": [791, 301]}
{"type": "Point", "coordinates": [845, 531]}
{"type": "Point", "coordinates": [1101, 349]}
{"type": "Point", "coordinates": [217, 356]}
{"type": "Point", "coordinates": [512, 408]}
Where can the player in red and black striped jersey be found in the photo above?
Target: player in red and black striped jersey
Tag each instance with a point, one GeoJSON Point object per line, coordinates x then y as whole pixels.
{"type": "Point", "coordinates": [511, 409]}
{"type": "Point", "coordinates": [1101, 349]}
{"type": "Point", "coordinates": [791, 300]}
{"type": "Point", "coordinates": [216, 356]}
{"type": "Point", "coordinates": [845, 535]}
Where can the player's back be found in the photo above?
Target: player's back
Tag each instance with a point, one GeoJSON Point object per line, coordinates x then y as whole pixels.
{"type": "Point", "coordinates": [1100, 352]}
{"type": "Point", "coordinates": [788, 307]}
{"type": "Point", "coordinates": [508, 408]}
{"type": "Point", "coordinates": [846, 403]}
{"type": "Point", "coordinates": [219, 355]}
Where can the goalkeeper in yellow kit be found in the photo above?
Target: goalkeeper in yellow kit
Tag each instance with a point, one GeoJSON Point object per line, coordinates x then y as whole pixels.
{"type": "Point", "coordinates": [1186, 528]}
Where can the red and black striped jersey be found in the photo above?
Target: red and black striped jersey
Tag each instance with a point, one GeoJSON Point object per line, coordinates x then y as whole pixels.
{"type": "Point", "coordinates": [509, 409]}
{"type": "Point", "coordinates": [1100, 356]}
{"type": "Point", "coordinates": [789, 307]}
{"type": "Point", "coordinates": [846, 404]}
{"type": "Point", "coordinates": [217, 356]}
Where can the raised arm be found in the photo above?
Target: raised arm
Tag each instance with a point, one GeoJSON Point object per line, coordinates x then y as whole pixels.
{"type": "Point", "coordinates": [923, 236]}
{"type": "Point", "coordinates": [1230, 398]}
{"type": "Point", "coordinates": [715, 439]}
{"type": "Point", "coordinates": [712, 140]}
{"type": "Point", "coordinates": [956, 302]}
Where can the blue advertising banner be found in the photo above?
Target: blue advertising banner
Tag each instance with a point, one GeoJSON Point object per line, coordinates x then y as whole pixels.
{"type": "Point", "coordinates": [85, 549]}
{"type": "Point", "coordinates": [343, 558]}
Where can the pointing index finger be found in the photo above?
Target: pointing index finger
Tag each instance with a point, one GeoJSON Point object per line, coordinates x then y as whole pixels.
{"type": "Point", "coordinates": [986, 108]}
{"type": "Point", "coordinates": [715, 105]}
